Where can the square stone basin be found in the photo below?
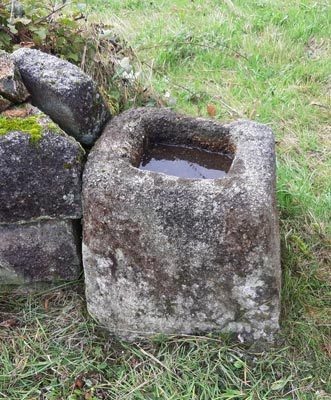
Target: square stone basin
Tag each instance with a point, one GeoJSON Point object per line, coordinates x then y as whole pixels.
{"type": "Point", "coordinates": [182, 255]}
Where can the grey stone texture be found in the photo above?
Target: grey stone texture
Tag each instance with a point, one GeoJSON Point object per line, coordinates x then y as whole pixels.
{"type": "Point", "coordinates": [11, 84]}
{"type": "Point", "coordinates": [4, 103]}
{"type": "Point", "coordinates": [40, 199]}
{"type": "Point", "coordinates": [171, 255]}
{"type": "Point", "coordinates": [64, 92]}
{"type": "Point", "coordinates": [43, 251]}
{"type": "Point", "coordinates": [40, 175]}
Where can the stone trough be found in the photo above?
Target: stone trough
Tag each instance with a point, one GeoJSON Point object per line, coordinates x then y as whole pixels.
{"type": "Point", "coordinates": [173, 255]}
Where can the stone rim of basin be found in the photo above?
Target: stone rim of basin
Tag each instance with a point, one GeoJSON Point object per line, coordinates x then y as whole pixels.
{"type": "Point", "coordinates": [242, 139]}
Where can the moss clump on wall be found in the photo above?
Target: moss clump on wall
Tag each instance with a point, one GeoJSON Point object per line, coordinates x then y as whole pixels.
{"type": "Point", "coordinates": [51, 125]}
{"type": "Point", "coordinates": [28, 124]}
{"type": "Point", "coordinates": [55, 128]}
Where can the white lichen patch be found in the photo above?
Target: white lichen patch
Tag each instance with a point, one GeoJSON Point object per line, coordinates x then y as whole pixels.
{"type": "Point", "coordinates": [245, 289]}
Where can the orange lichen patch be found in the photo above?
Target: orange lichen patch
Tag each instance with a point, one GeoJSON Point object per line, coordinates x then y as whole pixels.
{"type": "Point", "coordinates": [17, 113]}
{"type": "Point", "coordinates": [5, 68]}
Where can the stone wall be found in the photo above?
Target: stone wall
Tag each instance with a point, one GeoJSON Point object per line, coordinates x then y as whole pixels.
{"type": "Point", "coordinates": [41, 162]}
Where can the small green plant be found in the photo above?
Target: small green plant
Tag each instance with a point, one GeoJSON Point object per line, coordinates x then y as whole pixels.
{"type": "Point", "coordinates": [47, 26]}
{"type": "Point", "coordinates": [65, 31]}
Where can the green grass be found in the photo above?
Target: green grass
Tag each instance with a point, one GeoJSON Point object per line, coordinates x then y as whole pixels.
{"type": "Point", "coordinates": [267, 60]}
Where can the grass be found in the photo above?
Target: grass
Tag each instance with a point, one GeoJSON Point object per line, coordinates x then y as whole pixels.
{"type": "Point", "coordinates": [267, 60]}
{"type": "Point", "coordinates": [53, 350]}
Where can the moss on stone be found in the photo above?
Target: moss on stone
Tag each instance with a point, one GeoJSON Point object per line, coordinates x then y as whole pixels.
{"type": "Point", "coordinates": [55, 129]}
{"type": "Point", "coordinates": [51, 125]}
{"type": "Point", "coordinates": [67, 165]}
{"type": "Point", "coordinates": [28, 124]}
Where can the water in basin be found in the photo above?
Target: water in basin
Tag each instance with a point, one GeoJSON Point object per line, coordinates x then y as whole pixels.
{"type": "Point", "coordinates": [185, 162]}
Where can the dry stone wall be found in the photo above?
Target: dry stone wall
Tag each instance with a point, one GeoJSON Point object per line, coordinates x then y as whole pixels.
{"type": "Point", "coordinates": [41, 165]}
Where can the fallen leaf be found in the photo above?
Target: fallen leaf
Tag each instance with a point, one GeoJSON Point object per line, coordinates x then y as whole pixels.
{"type": "Point", "coordinates": [322, 394]}
{"type": "Point", "coordinates": [47, 300]}
{"type": "Point", "coordinates": [279, 385]}
{"type": "Point", "coordinates": [327, 348]}
{"type": "Point", "coordinates": [211, 110]}
{"type": "Point", "coordinates": [27, 44]}
{"type": "Point", "coordinates": [78, 384]}
{"type": "Point", "coordinates": [8, 323]}
{"type": "Point", "coordinates": [252, 114]}
{"type": "Point", "coordinates": [46, 304]}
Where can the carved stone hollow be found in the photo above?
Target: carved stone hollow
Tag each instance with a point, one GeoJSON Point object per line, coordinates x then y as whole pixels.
{"type": "Point", "coordinates": [173, 255]}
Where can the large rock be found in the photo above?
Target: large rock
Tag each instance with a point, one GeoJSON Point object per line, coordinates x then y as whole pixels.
{"type": "Point", "coordinates": [46, 251]}
{"type": "Point", "coordinates": [11, 85]}
{"type": "Point", "coordinates": [169, 255]}
{"type": "Point", "coordinates": [40, 167]}
{"type": "Point", "coordinates": [64, 92]}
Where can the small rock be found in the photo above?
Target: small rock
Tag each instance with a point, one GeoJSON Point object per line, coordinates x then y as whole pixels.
{"type": "Point", "coordinates": [11, 85]}
{"type": "Point", "coordinates": [64, 92]}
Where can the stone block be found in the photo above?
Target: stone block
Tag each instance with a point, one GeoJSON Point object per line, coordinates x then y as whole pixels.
{"type": "Point", "coordinates": [11, 84]}
{"type": "Point", "coordinates": [64, 92]}
{"type": "Point", "coordinates": [44, 251]}
{"type": "Point", "coordinates": [171, 255]}
{"type": "Point", "coordinates": [40, 167]}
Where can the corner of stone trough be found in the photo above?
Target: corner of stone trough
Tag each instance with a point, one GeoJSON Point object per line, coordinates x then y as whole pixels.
{"type": "Point", "coordinates": [161, 253]}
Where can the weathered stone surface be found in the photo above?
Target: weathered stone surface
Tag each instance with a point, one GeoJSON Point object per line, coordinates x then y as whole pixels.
{"type": "Point", "coordinates": [11, 85]}
{"type": "Point", "coordinates": [64, 92]}
{"type": "Point", "coordinates": [40, 167]}
{"type": "Point", "coordinates": [169, 255]}
{"type": "Point", "coordinates": [4, 103]}
{"type": "Point", "coordinates": [46, 251]}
